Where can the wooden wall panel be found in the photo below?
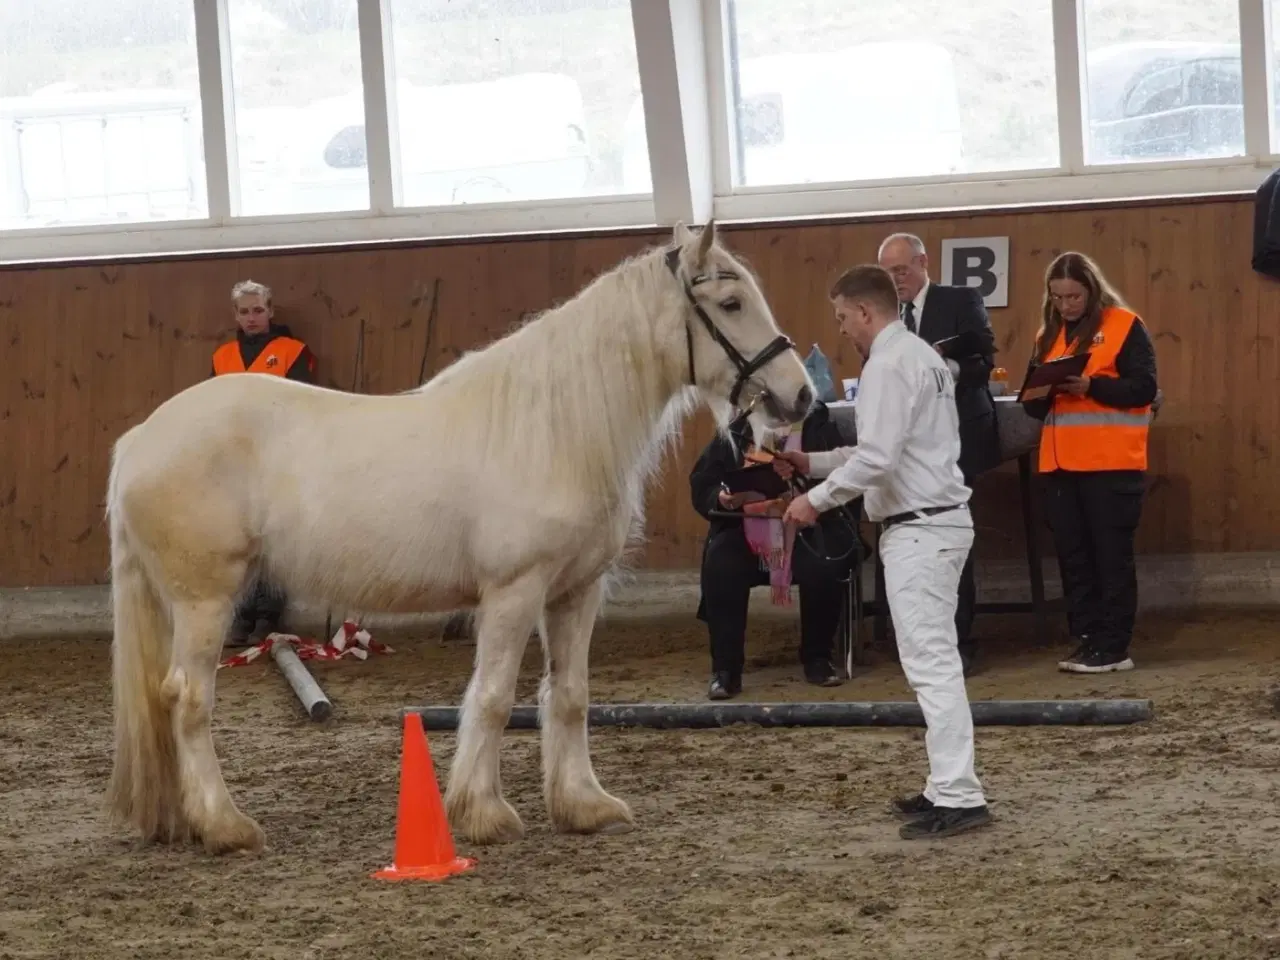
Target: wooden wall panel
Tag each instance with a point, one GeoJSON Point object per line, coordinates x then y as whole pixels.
{"type": "Point", "coordinates": [90, 350]}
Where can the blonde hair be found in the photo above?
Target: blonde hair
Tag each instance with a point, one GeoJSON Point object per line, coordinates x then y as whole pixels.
{"type": "Point", "coordinates": [250, 288]}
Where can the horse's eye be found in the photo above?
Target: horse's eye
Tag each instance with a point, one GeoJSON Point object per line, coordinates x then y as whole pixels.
{"type": "Point", "coordinates": [732, 305]}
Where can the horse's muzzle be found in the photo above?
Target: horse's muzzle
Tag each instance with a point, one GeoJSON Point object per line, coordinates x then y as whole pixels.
{"type": "Point", "coordinates": [793, 412]}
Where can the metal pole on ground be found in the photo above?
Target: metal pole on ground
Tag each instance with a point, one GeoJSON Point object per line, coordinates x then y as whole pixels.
{"type": "Point", "coordinates": [703, 716]}
{"type": "Point", "coordinates": [304, 685]}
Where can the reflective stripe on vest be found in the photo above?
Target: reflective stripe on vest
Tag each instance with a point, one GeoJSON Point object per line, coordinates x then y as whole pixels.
{"type": "Point", "coordinates": [1080, 433]}
{"type": "Point", "coordinates": [1116, 418]}
{"type": "Point", "coordinates": [275, 358]}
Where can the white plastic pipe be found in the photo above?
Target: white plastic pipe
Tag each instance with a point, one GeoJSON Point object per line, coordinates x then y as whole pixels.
{"type": "Point", "coordinates": [304, 685]}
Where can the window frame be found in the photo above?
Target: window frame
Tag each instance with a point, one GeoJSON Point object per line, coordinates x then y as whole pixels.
{"type": "Point", "coordinates": [683, 49]}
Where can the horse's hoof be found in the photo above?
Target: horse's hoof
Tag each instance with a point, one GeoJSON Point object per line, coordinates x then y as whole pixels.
{"type": "Point", "coordinates": [235, 834]}
{"type": "Point", "coordinates": [486, 823]}
{"type": "Point", "coordinates": [595, 813]}
{"type": "Point", "coordinates": [617, 828]}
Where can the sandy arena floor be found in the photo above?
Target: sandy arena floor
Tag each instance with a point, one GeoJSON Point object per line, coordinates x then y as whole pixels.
{"type": "Point", "coordinates": [1158, 841]}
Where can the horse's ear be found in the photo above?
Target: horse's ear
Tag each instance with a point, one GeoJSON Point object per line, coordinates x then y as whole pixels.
{"type": "Point", "coordinates": [681, 234]}
{"type": "Point", "coordinates": [705, 240]}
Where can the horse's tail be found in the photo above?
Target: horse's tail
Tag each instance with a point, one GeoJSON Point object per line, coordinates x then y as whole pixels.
{"type": "Point", "coordinates": [144, 784]}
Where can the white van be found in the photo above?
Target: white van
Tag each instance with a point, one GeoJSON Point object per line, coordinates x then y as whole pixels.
{"type": "Point", "coordinates": [828, 117]}
{"type": "Point", "coordinates": [515, 138]}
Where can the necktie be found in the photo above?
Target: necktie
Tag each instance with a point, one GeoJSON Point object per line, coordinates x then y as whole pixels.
{"type": "Point", "coordinates": [909, 316]}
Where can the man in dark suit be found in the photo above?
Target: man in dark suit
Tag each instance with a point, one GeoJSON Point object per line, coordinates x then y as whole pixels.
{"type": "Point", "coordinates": [935, 312]}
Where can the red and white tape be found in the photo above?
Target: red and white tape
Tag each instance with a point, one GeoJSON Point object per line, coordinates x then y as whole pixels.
{"type": "Point", "coordinates": [350, 641]}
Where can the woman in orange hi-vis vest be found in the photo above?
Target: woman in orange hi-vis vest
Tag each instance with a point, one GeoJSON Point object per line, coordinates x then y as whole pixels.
{"type": "Point", "coordinates": [261, 346]}
{"type": "Point", "coordinates": [1093, 455]}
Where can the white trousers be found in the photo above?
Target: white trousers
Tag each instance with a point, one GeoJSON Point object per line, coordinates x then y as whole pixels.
{"type": "Point", "coordinates": [922, 563]}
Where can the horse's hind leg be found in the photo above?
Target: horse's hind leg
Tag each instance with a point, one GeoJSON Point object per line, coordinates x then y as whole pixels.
{"type": "Point", "coordinates": [473, 799]}
{"type": "Point", "coordinates": [575, 800]}
{"type": "Point", "coordinates": [198, 630]}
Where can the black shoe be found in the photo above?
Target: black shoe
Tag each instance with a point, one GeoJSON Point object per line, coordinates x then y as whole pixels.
{"type": "Point", "coordinates": [240, 635]}
{"type": "Point", "coordinates": [1082, 650]}
{"type": "Point", "coordinates": [945, 822]}
{"type": "Point", "coordinates": [968, 660]}
{"type": "Point", "coordinates": [1096, 661]}
{"type": "Point", "coordinates": [821, 673]}
{"type": "Point", "coordinates": [264, 627]}
{"type": "Point", "coordinates": [724, 686]}
{"type": "Point", "coordinates": [912, 808]}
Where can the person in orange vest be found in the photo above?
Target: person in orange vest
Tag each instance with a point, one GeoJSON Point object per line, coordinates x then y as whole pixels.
{"type": "Point", "coordinates": [1093, 455]}
{"type": "Point", "coordinates": [261, 346]}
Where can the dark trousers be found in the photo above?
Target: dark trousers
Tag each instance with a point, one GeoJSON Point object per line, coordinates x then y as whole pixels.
{"type": "Point", "coordinates": [1094, 517]}
{"type": "Point", "coordinates": [730, 570]}
{"type": "Point", "coordinates": [261, 602]}
{"type": "Point", "coordinates": [966, 596]}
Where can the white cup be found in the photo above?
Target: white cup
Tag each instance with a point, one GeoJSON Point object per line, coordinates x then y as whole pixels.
{"type": "Point", "coordinates": [850, 388]}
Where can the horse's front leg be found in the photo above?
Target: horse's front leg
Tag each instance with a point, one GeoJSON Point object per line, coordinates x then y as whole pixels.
{"type": "Point", "coordinates": [575, 800]}
{"type": "Point", "coordinates": [198, 631]}
{"type": "Point", "coordinates": [473, 799]}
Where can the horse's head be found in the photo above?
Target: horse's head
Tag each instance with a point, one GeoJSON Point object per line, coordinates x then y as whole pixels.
{"type": "Point", "coordinates": [738, 357]}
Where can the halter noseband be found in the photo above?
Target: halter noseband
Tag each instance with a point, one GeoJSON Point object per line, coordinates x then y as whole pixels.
{"type": "Point", "coordinates": [746, 368]}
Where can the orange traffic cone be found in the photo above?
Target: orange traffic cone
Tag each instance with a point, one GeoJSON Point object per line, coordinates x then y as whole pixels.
{"type": "Point", "coordinates": [424, 846]}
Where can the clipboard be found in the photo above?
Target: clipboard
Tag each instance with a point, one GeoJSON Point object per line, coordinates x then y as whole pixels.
{"type": "Point", "coordinates": [967, 344]}
{"type": "Point", "coordinates": [759, 478]}
{"type": "Point", "coordinates": [1047, 376]}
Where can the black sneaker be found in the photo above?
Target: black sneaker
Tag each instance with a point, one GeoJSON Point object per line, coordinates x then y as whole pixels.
{"type": "Point", "coordinates": [911, 808]}
{"type": "Point", "coordinates": [1081, 651]}
{"type": "Point", "coordinates": [822, 674]}
{"type": "Point", "coordinates": [1096, 661]}
{"type": "Point", "coordinates": [945, 822]}
{"type": "Point", "coordinates": [724, 686]}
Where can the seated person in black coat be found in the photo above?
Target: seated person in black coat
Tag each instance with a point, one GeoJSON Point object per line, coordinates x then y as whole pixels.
{"type": "Point", "coordinates": [730, 569]}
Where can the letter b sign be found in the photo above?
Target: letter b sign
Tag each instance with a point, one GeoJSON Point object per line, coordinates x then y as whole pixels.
{"type": "Point", "coordinates": [983, 263]}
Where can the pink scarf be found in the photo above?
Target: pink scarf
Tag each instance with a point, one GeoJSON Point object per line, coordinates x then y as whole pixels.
{"type": "Point", "coordinates": [771, 540]}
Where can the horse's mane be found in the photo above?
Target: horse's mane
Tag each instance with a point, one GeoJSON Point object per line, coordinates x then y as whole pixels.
{"type": "Point", "coordinates": [577, 387]}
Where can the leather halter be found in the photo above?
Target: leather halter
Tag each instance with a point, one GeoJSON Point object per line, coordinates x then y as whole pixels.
{"type": "Point", "coordinates": [746, 368]}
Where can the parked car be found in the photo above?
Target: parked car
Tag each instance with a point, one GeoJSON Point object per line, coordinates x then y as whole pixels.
{"type": "Point", "coordinates": [1172, 100]}
{"type": "Point", "coordinates": [516, 138]}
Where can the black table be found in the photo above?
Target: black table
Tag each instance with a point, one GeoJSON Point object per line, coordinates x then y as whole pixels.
{"type": "Point", "coordinates": [1019, 440]}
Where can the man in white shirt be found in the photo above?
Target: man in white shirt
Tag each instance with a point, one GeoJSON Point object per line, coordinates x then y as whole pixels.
{"type": "Point", "coordinates": [905, 468]}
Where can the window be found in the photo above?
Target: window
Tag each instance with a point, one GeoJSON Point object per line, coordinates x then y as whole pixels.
{"type": "Point", "coordinates": [837, 90]}
{"type": "Point", "coordinates": [295, 77]}
{"type": "Point", "coordinates": [99, 113]}
{"type": "Point", "coordinates": [1162, 86]}
{"type": "Point", "coordinates": [508, 116]}
{"type": "Point", "coordinates": [516, 100]}
{"type": "Point", "coordinates": [1273, 68]}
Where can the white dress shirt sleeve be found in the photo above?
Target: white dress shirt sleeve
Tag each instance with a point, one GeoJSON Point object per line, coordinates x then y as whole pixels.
{"type": "Point", "coordinates": [887, 401]}
{"type": "Point", "coordinates": [822, 462]}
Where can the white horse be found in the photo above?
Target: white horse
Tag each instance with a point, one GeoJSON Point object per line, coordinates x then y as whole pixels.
{"type": "Point", "coordinates": [511, 482]}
